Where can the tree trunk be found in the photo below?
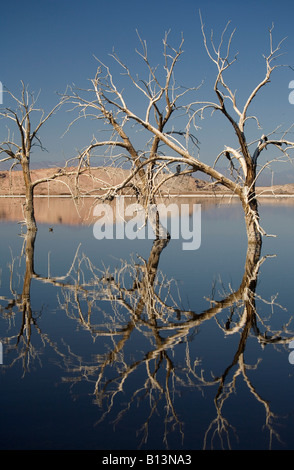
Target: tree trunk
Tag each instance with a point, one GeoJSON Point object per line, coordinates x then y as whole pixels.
{"type": "Point", "coordinates": [30, 248]}
{"type": "Point", "coordinates": [29, 211]}
{"type": "Point", "coordinates": [250, 207]}
{"type": "Point", "coordinates": [252, 223]}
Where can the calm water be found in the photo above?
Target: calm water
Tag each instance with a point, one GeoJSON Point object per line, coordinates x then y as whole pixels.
{"type": "Point", "coordinates": [130, 344]}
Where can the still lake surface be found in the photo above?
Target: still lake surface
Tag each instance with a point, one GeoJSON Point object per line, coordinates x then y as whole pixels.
{"type": "Point", "coordinates": [129, 344]}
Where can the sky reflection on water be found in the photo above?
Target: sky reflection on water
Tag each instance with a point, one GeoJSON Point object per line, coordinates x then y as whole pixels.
{"type": "Point", "coordinates": [124, 361]}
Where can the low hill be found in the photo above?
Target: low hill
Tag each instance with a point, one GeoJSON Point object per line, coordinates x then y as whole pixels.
{"type": "Point", "coordinates": [98, 180]}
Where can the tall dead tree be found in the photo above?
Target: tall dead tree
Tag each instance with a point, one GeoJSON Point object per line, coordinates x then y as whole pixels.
{"type": "Point", "coordinates": [166, 143]}
{"type": "Point", "coordinates": [246, 169]}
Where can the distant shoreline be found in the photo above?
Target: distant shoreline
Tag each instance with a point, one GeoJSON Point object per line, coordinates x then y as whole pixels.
{"type": "Point", "coordinates": [55, 210]}
{"type": "Point", "coordinates": [99, 180]}
{"type": "Point", "coordinates": [170, 196]}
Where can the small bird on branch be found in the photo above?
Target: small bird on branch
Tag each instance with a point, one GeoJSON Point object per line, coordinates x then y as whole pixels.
{"type": "Point", "coordinates": [264, 139]}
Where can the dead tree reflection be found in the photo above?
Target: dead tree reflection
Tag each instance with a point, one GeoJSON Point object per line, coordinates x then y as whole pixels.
{"type": "Point", "coordinates": [135, 298]}
{"type": "Point", "coordinates": [247, 322]}
{"type": "Point", "coordinates": [21, 341]}
{"type": "Point", "coordinates": [156, 315]}
{"type": "Point", "coordinates": [27, 349]}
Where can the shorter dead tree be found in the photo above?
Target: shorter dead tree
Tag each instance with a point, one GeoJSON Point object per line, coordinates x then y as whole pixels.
{"type": "Point", "coordinates": [21, 140]}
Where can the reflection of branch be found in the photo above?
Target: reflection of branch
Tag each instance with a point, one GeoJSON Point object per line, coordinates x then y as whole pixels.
{"type": "Point", "coordinates": [226, 389]}
{"type": "Point", "coordinates": [136, 299]}
{"type": "Point", "coordinates": [136, 289]}
{"type": "Point", "coordinates": [27, 352]}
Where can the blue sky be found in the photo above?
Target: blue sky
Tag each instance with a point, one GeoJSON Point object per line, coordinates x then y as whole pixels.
{"type": "Point", "coordinates": [49, 44]}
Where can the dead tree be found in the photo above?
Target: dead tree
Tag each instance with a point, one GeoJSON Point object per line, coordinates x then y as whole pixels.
{"type": "Point", "coordinates": [245, 158]}
{"type": "Point", "coordinates": [149, 166]}
{"type": "Point", "coordinates": [21, 140]}
{"type": "Point", "coordinates": [168, 145]}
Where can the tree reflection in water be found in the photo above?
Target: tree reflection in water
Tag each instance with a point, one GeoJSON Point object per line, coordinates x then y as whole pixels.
{"type": "Point", "coordinates": [142, 300]}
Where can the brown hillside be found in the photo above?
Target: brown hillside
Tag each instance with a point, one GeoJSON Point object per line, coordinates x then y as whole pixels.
{"type": "Point", "coordinates": [96, 181]}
